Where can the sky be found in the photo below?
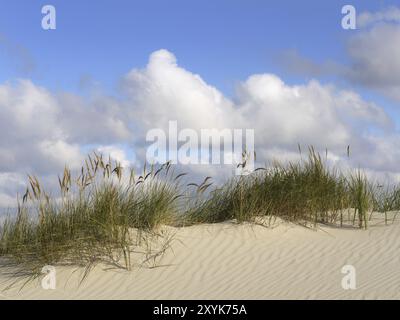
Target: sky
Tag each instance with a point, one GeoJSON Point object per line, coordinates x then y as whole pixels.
{"type": "Point", "coordinates": [104, 39]}
{"type": "Point", "coordinates": [112, 70]}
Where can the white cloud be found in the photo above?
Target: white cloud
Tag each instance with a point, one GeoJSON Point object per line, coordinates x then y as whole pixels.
{"type": "Point", "coordinates": [282, 115]}
{"type": "Point", "coordinates": [390, 14]}
{"type": "Point", "coordinates": [374, 52]}
{"type": "Point", "coordinates": [28, 116]}
{"type": "Point", "coordinates": [308, 114]}
{"type": "Point", "coordinates": [100, 120]}
{"type": "Point", "coordinates": [43, 131]}
{"type": "Point", "coordinates": [164, 91]}
{"type": "Point", "coordinates": [375, 56]}
{"type": "Point", "coordinates": [60, 152]}
{"type": "Point", "coordinates": [115, 153]}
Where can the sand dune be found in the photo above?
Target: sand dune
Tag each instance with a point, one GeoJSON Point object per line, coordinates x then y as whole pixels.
{"type": "Point", "coordinates": [228, 261]}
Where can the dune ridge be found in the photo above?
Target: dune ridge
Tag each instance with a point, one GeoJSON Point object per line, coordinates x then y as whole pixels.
{"type": "Point", "coordinates": [246, 261]}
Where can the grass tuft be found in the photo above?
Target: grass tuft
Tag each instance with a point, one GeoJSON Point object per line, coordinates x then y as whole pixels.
{"type": "Point", "coordinates": [103, 216]}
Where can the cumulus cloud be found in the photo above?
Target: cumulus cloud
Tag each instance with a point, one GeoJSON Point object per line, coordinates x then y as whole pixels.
{"type": "Point", "coordinates": [375, 58]}
{"type": "Point", "coordinates": [282, 115]}
{"type": "Point", "coordinates": [164, 91]}
{"type": "Point", "coordinates": [374, 52]}
{"type": "Point", "coordinates": [373, 55]}
{"type": "Point", "coordinates": [116, 153]}
{"type": "Point", "coordinates": [28, 117]}
{"type": "Point", "coordinates": [41, 130]}
{"type": "Point", "coordinates": [390, 14]}
{"type": "Point", "coordinates": [44, 130]}
{"type": "Point", "coordinates": [318, 115]}
{"type": "Point", "coordinates": [101, 120]}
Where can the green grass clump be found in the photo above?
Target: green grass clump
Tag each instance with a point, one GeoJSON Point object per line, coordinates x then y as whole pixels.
{"type": "Point", "coordinates": [308, 192]}
{"type": "Point", "coordinates": [386, 199]}
{"type": "Point", "coordinates": [104, 216]}
{"type": "Point", "coordinates": [305, 192]}
{"type": "Point", "coordinates": [92, 221]}
{"type": "Point", "coordinates": [361, 197]}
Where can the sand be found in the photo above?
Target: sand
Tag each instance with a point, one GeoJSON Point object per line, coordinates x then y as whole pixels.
{"type": "Point", "coordinates": [228, 261]}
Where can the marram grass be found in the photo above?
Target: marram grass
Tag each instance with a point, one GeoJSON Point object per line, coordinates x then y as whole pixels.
{"type": "Point", "coordinates": [97, 218]}
{"type": "Point", "coordinates": [103, 216]}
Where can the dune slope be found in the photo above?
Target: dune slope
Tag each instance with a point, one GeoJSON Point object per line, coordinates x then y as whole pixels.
{"type": "Point", "coordinates": [228, 261]}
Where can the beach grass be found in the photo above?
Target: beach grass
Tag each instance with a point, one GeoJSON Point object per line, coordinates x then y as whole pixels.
{"type": "Point", "coordinates": [104, 214]}
{"type": "Point", "coordinates": [92, 220]}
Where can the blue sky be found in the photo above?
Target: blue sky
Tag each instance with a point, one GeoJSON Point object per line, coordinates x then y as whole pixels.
{"type": "Point", "coordinates": [224, 41]}
{"type": "Point", "coordinates": [113, 70]}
